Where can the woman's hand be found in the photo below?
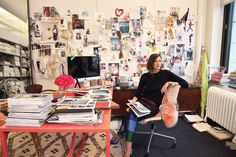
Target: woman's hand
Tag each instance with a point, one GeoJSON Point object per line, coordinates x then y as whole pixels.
{"type": "Point", "coordinates": [164, 88]}
{"type": "Point", "coordinates": [134, 100]}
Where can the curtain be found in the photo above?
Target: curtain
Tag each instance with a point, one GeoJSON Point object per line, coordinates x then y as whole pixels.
{"type": "Point", "coordinates": [202, 80]}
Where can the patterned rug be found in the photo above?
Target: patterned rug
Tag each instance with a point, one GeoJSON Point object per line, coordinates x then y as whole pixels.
{"type": "Point", "coordinates": [57, 145]}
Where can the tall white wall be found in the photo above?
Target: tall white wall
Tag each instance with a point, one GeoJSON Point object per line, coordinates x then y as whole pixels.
{"type": "Point", "coordinates": [213, 30]}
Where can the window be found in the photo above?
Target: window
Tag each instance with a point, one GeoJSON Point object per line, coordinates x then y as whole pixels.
{"type": "Point", "coordinates": [228, 50]}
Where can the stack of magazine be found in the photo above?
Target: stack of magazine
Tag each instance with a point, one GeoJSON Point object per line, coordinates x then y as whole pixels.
{"type": "Point", "coordinates": [102, 96]}
{"type": "Point", "coordinates": [76, 111]}
{"type": "Point", "coordinates": [29, 109]}
{"type": "Point", "coordinates": [139, 109]}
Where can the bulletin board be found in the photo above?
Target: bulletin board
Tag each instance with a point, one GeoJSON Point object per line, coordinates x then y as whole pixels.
{"type": "Point", "coordinates": [124, 34]}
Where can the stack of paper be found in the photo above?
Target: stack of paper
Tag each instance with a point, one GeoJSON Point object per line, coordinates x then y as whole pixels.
{"type": "Point", "coordinates": [192, 118]}
{"type": "Point", "coordinates": [29, 109]}
{"type": "Point", "coordinates": [201, 126]}
{"type": "Point", "coordinates": [74, 110]}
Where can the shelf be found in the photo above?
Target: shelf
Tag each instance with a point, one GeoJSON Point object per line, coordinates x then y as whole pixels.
{"type": "Point", "coordinates": [48, 41]}
{"type": "Point", "coordinates": [8, 53]}
{"type": "Point", "coordinates": [4, 77]}
{"type": "Point", "coordinates": [10, 65]}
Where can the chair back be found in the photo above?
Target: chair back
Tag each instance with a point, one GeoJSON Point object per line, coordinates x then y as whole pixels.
{"type": "Point", "coordinates": [169, 107]}
{"type": "Point", "coordinates": [34, 88]}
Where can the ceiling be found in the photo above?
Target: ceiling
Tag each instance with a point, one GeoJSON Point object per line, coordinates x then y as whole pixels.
{"type": "Point", "coordinates": [13, 15]}
{"type": "Point", "coordinates": [16, 7]}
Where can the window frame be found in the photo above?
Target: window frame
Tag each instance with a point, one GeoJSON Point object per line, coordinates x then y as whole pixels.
{"type": "Point", "coordinates": [226, 35]}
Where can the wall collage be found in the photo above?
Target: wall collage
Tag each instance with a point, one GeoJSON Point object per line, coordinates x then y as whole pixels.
{"type": "Point", "coordinates": [124, 41]}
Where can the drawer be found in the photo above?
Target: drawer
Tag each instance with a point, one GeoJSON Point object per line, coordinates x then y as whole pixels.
{"type": "Point", "coordinates": [189, 91]}
{"type": "Point", "coordinates": [187, 103]}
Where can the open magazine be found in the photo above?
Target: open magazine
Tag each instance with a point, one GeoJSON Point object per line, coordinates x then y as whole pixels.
{"type": "Point", "coordinates": [139, 109]}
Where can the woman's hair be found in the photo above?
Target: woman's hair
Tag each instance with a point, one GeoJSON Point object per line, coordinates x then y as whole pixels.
{"type": "Point", "coordinates": [151, 61]}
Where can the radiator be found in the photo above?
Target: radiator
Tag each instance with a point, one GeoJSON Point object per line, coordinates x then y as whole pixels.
{"type": "Point", "coordinates": [221, 108]}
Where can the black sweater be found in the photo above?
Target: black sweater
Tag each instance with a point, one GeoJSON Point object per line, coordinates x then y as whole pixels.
{"type": "Point", "coordinates": [150, 85]}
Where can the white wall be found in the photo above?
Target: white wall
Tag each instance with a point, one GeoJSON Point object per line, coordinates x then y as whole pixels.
{"type": "Point", "coordinates": [213, 30]}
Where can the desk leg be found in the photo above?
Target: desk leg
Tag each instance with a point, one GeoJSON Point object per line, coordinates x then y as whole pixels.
{"type": "Point", "coordinates": [108, 143]}
{"type": "Point", "coordinates": [85, 136]}
{"type": "Point", "coordinates": [3, 137]}
{"type": "Point", "coordinates": [72, 145]}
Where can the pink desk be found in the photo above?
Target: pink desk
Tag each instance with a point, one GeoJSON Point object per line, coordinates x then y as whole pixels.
{"type": "Point", "coordinates": [103, 127]}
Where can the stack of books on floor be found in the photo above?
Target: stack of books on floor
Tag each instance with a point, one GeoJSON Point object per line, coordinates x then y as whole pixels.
{"type": "Point", "coordinates": [232, 78]}
{"type": "Point", "coordinates": [29, 109]}
{"type": "Point", "coordinates": [76, 111]}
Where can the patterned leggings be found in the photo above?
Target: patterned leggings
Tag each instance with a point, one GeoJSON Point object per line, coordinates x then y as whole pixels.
{"type": "Point", "coordinates": [128, 126]}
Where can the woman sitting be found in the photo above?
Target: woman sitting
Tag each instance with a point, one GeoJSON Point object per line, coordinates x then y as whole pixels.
{"type": "Point", "coordinates": [151, 89]}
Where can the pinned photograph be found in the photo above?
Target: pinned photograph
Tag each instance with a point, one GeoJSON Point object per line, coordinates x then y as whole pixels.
{"type": "Point", "coordinates": [142, 12]}
{"type": "Point", "coordinates": [76, 22]}
{"type": "Point", "coordinates": [170, 34]}
{"type": "Point", "coordinates": [46, 11]}
{"type": "Point", "coordinates": [77, 35]}
{"type": "Point", "coordinates": [103, 66]}
{"type": "Point", "coordinates": [171, 50]}
{"type": "Point", "coordinates": [169, 22]}
{"type": "Point", "coordinates": [180, 48]}
{"type": "Point", "coordinates": [115, 44]}
{"type": "Point", "coordinates": [188, 54]}
{"type": "Point", "coordinates": [53, 12]}
{"type": "Point", "coordinates": [113, 68]}
{"type": "Point", "coordinates": [174, 12]}
{"type": "Point", "coordinates": [136, 24]}
{"type": "Point", "coordinates": [124, 26]}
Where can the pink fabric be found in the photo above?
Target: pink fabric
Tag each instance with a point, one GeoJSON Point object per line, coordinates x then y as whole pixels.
{"type": "Point", "coordinates": [169, 107]}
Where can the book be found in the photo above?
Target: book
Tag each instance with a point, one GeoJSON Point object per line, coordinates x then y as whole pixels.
{"type": "Point", "coordinates": [201, 126]}
{"type": "Point", "coordinates": [139, 109]}
{"type": "Point", "coordinates": [192, 118]}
